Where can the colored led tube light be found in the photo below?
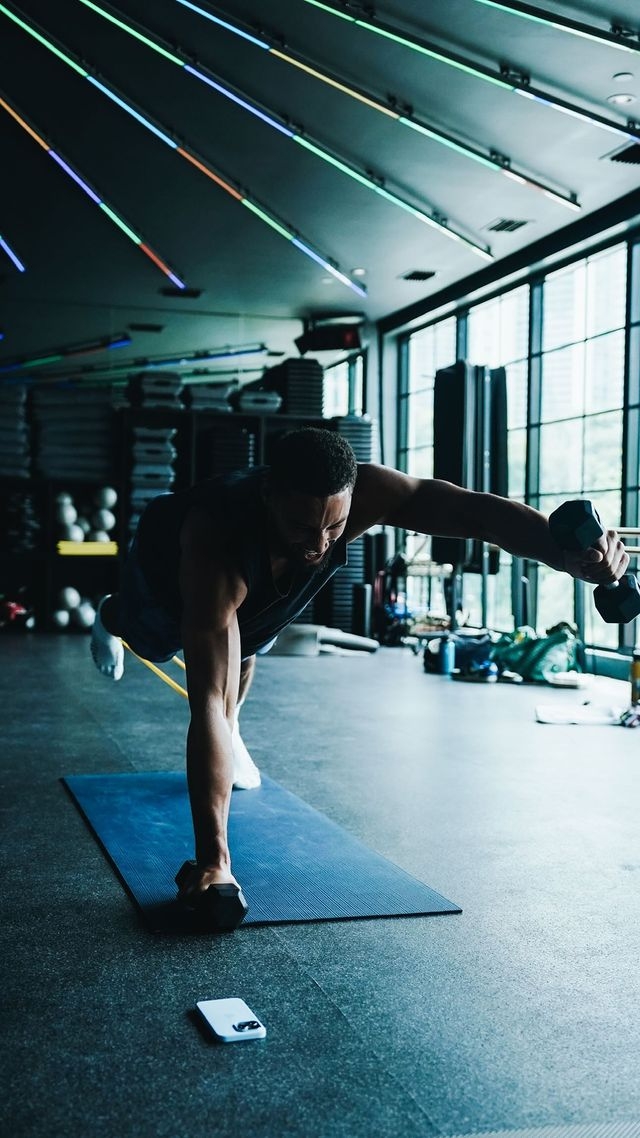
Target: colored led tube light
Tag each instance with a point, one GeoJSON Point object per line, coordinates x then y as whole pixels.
{"type": "Point", "coordinates": [11, 255]}
{"type": "Point", "coordinates": [320, 152]}
{"type": "Point", "coordinates": [91, 193]}
{"type": "Point", "coordinates": [563, 24]}
{"type": "Point", "coordinates": [288, 232]}
{"type": "Point", "coordinates": [480, 72]}
{"type": "Point", "coordinates": [119, 341]}
{"type": "Point", "coordinates": [369, 100]}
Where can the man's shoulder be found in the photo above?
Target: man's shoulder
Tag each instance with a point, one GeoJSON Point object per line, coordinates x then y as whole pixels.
{"type": "Point", "coordinates": [378, 491]}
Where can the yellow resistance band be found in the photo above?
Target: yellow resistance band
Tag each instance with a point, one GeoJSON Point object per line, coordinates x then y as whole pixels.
{"type": "Point", "coordinates": [158, 671]}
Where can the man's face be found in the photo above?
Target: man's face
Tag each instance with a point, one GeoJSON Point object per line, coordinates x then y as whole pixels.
{"type": "Point", "coordinates": [304, 529]}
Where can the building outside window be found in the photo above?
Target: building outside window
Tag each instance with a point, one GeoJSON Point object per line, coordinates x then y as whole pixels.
{"type": "Point", "coordinates": [498, 336]}
{"type": "Point", "coordinates": [581, 410]}
{"type": "Point", "coordinates": [576, 377]}
{"type": "Point", "coordinates": [344, 388]}
{"type": "Point", "coordinates": [426, 352]}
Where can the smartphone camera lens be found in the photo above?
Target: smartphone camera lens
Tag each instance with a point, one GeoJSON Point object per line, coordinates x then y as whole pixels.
{"type": "Point", "coordinates": [246, 1025]}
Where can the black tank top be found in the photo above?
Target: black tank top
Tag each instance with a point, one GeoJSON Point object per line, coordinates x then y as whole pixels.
{"type": "Point", "coordinates": [238, 512]}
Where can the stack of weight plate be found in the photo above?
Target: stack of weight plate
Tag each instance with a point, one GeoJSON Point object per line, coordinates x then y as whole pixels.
{"type": "Point", "coordinates": [260, 402]}
{"type": "Point", "coordinates": [156, 389]}
{"type": "Point", "coordinates": [74, 433]}
{"type": "Point", "coordinates": [20, 523]}
{"type": "Point", "coordinates": [152, 471]}
{"type": "Point", "coordinates": [224, 448]}
{"type": "Point", "coordinates": [15, 448]}
{"type": "Point", "coordinates": [358, 430]}
{"type": "Point", "coordinates": [300, 382]}
{"type": "Point", "coordinates": [210, 396]}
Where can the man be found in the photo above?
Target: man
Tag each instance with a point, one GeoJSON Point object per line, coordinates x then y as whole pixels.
{"type": "Point", "coordinates": [220, 569]}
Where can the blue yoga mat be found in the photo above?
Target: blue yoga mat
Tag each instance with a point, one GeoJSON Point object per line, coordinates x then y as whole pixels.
{"type": "Point", "coordinates": [293, 862]}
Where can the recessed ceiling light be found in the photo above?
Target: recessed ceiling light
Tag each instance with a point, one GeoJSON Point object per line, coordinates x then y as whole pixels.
{"type": "Point", "coordinates": [358, 272]}
{"type": "Point", "coordinates": [327, 280]}
{"type": "Point", "coordinates": [622, 99]}
{"type": "Point", "coordinates": [622, 76]}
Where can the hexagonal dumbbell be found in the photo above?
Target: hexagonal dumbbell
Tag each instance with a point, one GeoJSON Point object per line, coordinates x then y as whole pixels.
{"type": "Point", "coordinates": [220, 908]}
{"type": "Point", "coordinates": [576, 526]}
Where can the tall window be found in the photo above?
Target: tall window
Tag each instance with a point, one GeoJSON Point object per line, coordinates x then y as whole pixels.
{"type": "Point", "coordinates": [580, 414]}
{"type": "Point", "coordinates": [427, 351]}
{"type": "Point", "coordinates": [498, 336]}
{"type": "Point", "coordinates": [565, 410]}
{"type": "Point", "coordinates": [344, 388]}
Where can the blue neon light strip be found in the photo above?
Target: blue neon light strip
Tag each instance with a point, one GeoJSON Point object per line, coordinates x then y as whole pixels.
{"type": "Point", "coordinates": [189, 154]}
{"type": "Point", "coordinates": [369, 100]}
{"type": "Point", "coordinates": [95, 198]}
{"type": "Point", "coordinates": [12, 256]}
{"type": "Point", "coordinates": [296, 135]}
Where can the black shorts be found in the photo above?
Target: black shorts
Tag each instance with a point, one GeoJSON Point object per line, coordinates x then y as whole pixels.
{"type": "Point", "coordinates": [144, 624]}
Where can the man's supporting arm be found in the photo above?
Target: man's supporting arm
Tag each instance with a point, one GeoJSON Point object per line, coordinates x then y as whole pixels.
{"type": "Point", "coordinates": [211, 594]}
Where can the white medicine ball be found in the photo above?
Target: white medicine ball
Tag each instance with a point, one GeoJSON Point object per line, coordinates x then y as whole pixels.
{"type": "Point", "coordinates": [69, 598]}
{"type": "Point", "coordinates": [103, 519]}
{"type": "Point", "coordinates": [98, 535]}
{"type": "Point", "coordinates": [60, 618]}
{"type": "Point", "coordinates": [66, 514]}
{"type": "Point", "coordinates": [106, 497]}
{"type": "Point", "coordinates": [64, 499]}
{"type": "Point", "coordinates": [85, 615]}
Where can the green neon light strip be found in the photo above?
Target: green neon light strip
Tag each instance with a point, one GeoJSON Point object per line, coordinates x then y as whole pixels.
{"type": "Point", "coordinates": [88, 190]}
{"type": "Point", "coordinates": [365, 97]}
{"type": "Point", "coordinates": [417, 45]}
{"type": "Point", "coordinates": [291, 234]}
{"type": "Point", "coordinates": [41, 39]}
{"type": "Point", "coordinates": [326, 8]}
{"type": "Point", "coordinates": [420, 214]}
{"type": "Point", "coordinates": [269, 220]}
{"type": "Point", "coordinates": [120, 223]}
{"type": "Point", "coordinates": [132, 32]}
{"type": "Point", "coordinates": [319, 151]}
{"type": "Point", "coordinates": [484, 73]}
{"type": "Point", "coordinates": [562, 24]}
{"type": "Point", "coordinates": [41, 360]}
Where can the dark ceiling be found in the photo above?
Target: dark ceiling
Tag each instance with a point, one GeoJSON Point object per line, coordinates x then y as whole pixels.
{"type": "Point", "coordinates": [85, 281]}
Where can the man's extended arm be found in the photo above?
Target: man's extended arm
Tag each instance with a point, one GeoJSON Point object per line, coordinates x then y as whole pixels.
{"type": "Point", "coordinates": [387, 497]}
{"type": "Point", "coordinates": [211, 595]}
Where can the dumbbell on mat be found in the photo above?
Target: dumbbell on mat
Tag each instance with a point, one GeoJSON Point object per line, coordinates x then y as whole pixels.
{"type": "Point", "coordinates": [220, 908]}
{"type": "Point", "coordinates": [576, 527]}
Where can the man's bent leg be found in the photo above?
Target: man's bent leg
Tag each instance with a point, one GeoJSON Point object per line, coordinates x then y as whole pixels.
{"type": "Point", "coordinates": [246, 775]}
{"type": "Point", "coordinates": [106, 646]}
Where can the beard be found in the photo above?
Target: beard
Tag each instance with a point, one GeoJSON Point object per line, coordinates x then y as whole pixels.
{"type": "Point", "coordinates": [309, 568]}
{"type": "Point", "coordinates": [294, 554]}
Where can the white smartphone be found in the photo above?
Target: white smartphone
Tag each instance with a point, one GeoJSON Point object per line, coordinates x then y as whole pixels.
{"type": "Point", "coordinates": [231, 1020]}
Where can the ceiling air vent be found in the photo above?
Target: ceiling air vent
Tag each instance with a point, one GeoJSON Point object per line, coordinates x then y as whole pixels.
{"type": "Point", "coordinates": [184, 293]}
{"type": "Point", "coordinates": [419, 275]}
{"type": "Point", "coordinates": [505, 225]}
{"type": "Point", "coordinates": [629, 154]}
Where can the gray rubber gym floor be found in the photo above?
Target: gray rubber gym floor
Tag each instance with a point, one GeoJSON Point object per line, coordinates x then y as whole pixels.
{"type": "Point", "coordinates": [522, 1012]}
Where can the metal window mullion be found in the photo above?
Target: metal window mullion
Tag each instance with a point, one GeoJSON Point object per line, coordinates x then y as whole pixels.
{"type": "Point", "coordinates": [631, 414]}
{"type": "Point", "coordinates": [534, 409]}
{"type": "Point", "coordinates": [402, 426]}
